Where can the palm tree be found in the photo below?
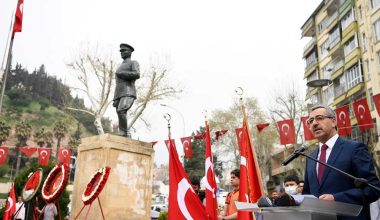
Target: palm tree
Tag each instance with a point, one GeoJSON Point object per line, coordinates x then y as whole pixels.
{"type": "Point", "coordinates": [40, 137]}
{"type": "Point", "coordinates": [60, 129]}
{"type": "Point", "coordinates": [23, 133]}
{"type": "Point", "coordinates": [5, 131]}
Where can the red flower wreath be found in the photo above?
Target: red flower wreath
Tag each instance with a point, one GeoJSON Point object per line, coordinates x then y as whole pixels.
{"type": "Point", "coordinates": [55, 183]}
{"type": "Point", "coordinates": [96, 185]}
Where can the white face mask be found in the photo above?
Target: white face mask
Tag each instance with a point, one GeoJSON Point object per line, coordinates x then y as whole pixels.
{"type": "Point", "coordinates": [291, 190]}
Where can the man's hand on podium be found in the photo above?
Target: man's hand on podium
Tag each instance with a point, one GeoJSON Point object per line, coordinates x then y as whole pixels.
{"type": "Point", "coordinates": [327, 197]}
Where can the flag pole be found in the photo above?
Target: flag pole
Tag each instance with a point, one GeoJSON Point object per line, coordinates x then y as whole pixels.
{"type": "Point", "coordinates": [7, 67]}
{"type": "Point", "coordinates": [168, 118]}
{"type": "Point", "coordinates": [7, 44]}
{"type": "Point", "coordinates": [240, 92]}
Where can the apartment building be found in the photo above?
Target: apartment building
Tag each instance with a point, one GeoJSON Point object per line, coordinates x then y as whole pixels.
{"type": "Point", "coordinates": [344, 54]}
{"type": "Point", "coordinates": [342, 62]}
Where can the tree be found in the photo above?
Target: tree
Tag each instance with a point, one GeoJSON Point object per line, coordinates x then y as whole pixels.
{"type": "Point", "coordinates": [60, 129]}
{"type": "Point", "coordinates": [195, 166]}
{"type": "Point", "coordinates": [5, 131]}
{"type": "Point", "coordinates": [227, 146]}
{"type": "Point", "coordinates": [41, 137]}
{"type": "Point", "coordinates": [89, 64]}
{"type": "Point", "coordinates": [154, 85]}
{"type": "Point", "coordinates": [95, 76]}
{"type": "Point", "coordinates": [290, 105]}
{"type": "Point", "coordinates": [23, 133]}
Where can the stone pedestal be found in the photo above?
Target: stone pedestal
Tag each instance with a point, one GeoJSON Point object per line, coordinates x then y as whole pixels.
{"type": "Point", "coordinates": [127, 194]}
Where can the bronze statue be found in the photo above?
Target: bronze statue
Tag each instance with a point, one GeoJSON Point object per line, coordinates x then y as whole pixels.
{"type": "Point", "coordinates": [125, 91]}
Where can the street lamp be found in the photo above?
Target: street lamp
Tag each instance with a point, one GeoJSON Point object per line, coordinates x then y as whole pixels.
{"type": "Point", "coordinates": [319, 83]}
{"type": "Point", "coordinates": [183, 119]}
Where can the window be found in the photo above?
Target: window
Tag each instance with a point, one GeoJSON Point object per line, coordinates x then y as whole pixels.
{"type": "Point", "coordinates": [350, 45]}
{"type": "Point", "coordinates": [347, 19]}
{"type": "Point", "coordinates": [353, 76]}
{"type": "Point", "coordinates": [375, 4]}
{"type": "Point", "coordinates": [329, 95]}
{"type": "Point", "coordinates": [310, 60]}
{"type": "Point", "coordinates": [324, 48]}
{"type": "Point", "coordinates": [376, 30]}
{"type": "Point", "coordinates": [364, 42]}
{"type": "Point", "coordinates": [371, 103]}
{"type": "Point", "coordinates": [378, 60]}
{"type": "Point", "coordinates": [367, 69]}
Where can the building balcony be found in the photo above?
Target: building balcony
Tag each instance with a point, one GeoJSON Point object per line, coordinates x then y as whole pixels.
{"type": "Point", "coordinates": [349, 32]}
{"type": "Point", "coordinates": [332, 6]}
{"type": "Point", "coordinates": [308, 29]}
{"type": "Point", "coordinates": [328, 22]}
{"type": "Point", "coordinates": [309, 46]}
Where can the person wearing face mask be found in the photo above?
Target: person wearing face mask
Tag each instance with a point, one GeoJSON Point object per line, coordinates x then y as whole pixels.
{"type": "Point", "coordinates": [291, 184]}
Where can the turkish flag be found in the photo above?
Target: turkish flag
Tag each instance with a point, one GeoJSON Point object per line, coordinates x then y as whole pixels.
{"type": "Point", "coordinates": [254, 173]}
{"type": "Point", "coordinates": [64, 155]}
{"type": "Point", "coordinates": [183, 202]}
{"type": "Point", "coordinates": [286, 128]}
{"type": "Point", "coordinates": [362, 114]}
{"type": "Point", "coordinates": [17, 26]}
{"type": "Point", "coordinates": [153, 143]}
{"type": "Point", "coordinates": [306, 129]}
{"type": "Point", "coordinates": [167, 143]}
{"type": "Point", "coordinates": [260, 127]}
{"type": "Point", "coordinates": [187, 148]}
{"type": "Point", "coordinates": [211, 204]}
{"type": "Point", "coordinates": [238, 136]}
{"type": "Point", "coordinates": [218, 134]}
{"type": "Point", "coordinates": [244, 179]}
{"type": "Point", "coordinates": [343, 120]}
{"type": "Point", "coordinates": [10, 207]}
{"type": "Point", "coordinates": [29, 151]}
{"type": "Point", "coordinates": [376, 100]}
{"type": "Point", "coordinates": [43, 156]}
{"type": "Point", "coordinates": [199, 136]}
{"type": "Point", "coordinates": [3, 154]}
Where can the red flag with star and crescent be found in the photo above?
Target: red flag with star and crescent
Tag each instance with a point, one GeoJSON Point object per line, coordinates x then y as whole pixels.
{"type": "Point", "coordinates": [17, 26]}
{"type": "Point", "coordinates": [10, 207]}
{"type": "Point", "coordinates": [3, 154]}
{"type": "Point", "coordinates": [29, 151]}
{"type": "Point", "coordinates": [43, 156]}
{"type": "Point", "coordinates": [219, 134]}
{"type": "Point", "coordinates": [187, 147]}
{"type": "Point", "coordinates": [184, 203]}
{"type": "Point", "coordinates": [343, 120]}
{"type": "Point", "coordinates": [306, 129]}
{"type": "Point", "coordinates": [286, 128]}
{"type": "Point", "coordinates": [238, 135]}
{"type": "Point", "coordinates": [376, 101]}
{"type": "Point", "coordinates": [211, 188]}
{"type": "Point", "coordinates": [362, 114]}
{"type": "Point", "coordinates": [64, 155]}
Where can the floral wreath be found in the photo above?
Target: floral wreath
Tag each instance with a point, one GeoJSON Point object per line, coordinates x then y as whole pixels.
{"type": "Point", "coordinates": [96, 185]}
{"type": "Point", "coordinates": [58, 175]}
{"type": "Point", "coordinates": [31, 186]}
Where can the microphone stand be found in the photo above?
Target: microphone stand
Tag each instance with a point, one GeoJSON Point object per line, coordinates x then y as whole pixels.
{"type": "Point", "coordinates": [358, 182]}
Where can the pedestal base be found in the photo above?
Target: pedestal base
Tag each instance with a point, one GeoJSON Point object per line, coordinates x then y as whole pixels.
{"type": "Point", "coordinates": [127, 194]}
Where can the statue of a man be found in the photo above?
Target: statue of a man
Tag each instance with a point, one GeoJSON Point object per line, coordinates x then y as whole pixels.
{"type": "Point", "coordinates": [125, 91]}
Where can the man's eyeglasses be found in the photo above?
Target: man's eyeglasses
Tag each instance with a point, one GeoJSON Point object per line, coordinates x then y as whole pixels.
{"type": "Point", "coordinates": [317, 118]}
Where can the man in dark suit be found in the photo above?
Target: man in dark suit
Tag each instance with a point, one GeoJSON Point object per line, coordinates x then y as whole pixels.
{"type": "Point", "coordinates": [349, 156]}
{"type": "Point", "coordinates": [125, 92]}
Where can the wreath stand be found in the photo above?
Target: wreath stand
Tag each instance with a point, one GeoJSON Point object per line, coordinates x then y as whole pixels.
{"type": "Point", "coordinates": [93, 189]}
{"type": "Point", "coordinates": [84, 205]}
{"type": "Point", "coordinates": [50, 192]}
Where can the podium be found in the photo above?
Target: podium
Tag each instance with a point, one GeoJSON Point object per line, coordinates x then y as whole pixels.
{"type": "Point", "coordinates": [309, 209]}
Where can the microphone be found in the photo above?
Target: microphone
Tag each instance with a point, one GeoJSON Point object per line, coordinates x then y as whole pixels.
{"type": "Point", "coordinates": [295, 154]}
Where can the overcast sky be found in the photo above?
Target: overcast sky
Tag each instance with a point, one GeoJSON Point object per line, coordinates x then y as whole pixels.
{"type": "Point", "coordinates": [214, 46]}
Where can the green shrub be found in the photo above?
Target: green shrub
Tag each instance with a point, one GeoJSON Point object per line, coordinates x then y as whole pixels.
{"type": "Point", "coordinates": [4, 169]}
{"type": "Point", "coordinates": [163, 216]}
